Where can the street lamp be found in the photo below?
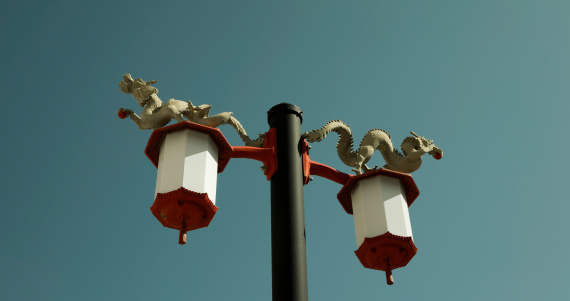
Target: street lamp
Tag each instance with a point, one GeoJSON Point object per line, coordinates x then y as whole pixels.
{"type": "Point", "coordinates": [188, 157]}
{"type": "Point", "coordinates": [190, 153]}
{"type": "Point", "coordinates": [379, 201]}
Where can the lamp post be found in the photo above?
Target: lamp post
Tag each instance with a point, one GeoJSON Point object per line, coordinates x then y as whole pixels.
{"type": "Point", "coordinates": [288, 248]}
{"type": "Point", "coordinates": [188, 155]}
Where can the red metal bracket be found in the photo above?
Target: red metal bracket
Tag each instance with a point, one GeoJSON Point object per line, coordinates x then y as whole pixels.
{"type": "Point", "coordinates": [266, 154]}
{"type": "Point", "coordinates": [311, 167]}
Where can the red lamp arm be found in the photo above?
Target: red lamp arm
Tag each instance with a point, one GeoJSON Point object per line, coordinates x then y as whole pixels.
{"type": "Point", "coordinates": [266, 154]}
{"type": "Point", "coordinates": [322, 170]}
{"type": "Point", "coordinates": [311, 167]}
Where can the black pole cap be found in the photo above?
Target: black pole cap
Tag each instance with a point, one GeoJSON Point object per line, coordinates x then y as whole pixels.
{"type": "Point", "coordinates": [285, 107]}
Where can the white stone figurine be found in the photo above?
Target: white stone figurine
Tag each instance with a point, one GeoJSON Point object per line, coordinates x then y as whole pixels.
{"type": "Point", "coordinates": [408, 161]}
{"type": "Point", "coordinates": [155, 114]}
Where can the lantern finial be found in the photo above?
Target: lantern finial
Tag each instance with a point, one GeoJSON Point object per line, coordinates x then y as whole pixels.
{"type": "Point", "coordinates": [389, 276]}
{"type": "Point", "coordinates": [182, 236]}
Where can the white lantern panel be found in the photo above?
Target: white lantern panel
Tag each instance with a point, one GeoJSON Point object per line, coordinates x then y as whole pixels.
{"type": "Point", "coordinates": [379, 206]}
{"type": "Point", "coordinates": [188, 159]}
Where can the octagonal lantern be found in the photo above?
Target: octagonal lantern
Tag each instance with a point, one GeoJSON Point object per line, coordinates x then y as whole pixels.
{"type": "Point", "coordinates": [379, 202]}
{"type": "Point", "coordinates": [188, 157]}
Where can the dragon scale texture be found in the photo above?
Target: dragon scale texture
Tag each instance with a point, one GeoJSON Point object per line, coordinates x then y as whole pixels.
{"type": "Point", "coordinates": [407, 161]}
{"type": "Point", "coordinates": [155, 114]}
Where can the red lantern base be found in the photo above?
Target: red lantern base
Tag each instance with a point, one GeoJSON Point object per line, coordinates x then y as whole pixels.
{"type": "Point", "coordinates": [386, 253]}
{"type": "Point", "coordinates": [183, 210]}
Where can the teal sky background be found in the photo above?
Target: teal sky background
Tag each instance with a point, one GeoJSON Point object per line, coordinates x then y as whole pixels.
{"type": "Point", "coordinates": [488, 81]}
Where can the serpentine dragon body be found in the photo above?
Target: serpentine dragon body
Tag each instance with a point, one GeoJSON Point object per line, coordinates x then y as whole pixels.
{"type": "Point", "coordinates": [407, 161]}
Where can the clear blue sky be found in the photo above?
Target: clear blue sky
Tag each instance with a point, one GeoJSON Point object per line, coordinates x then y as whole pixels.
{"type": "Point", "coordinates": [488, 81]}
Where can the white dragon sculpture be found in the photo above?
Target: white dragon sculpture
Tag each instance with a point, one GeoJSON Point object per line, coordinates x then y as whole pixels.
{"type": "Point", "coordinates": [408, 161]}
{"type": "Point", "coordinates": [156, 114]}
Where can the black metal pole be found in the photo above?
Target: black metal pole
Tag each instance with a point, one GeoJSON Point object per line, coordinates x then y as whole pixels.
{"type": "Point", "coordinates": [288, 248]}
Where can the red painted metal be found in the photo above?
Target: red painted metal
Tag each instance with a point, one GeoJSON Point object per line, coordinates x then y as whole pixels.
{"type": "Point", "coordinates": [328, 172]}
{"type": "Point", "coordinates": [386, 252]}
{"type": "Point", "coordinates": [311, 167]}
{"type": "Point", "coordinates": [183, 210]}
{"type": "Point", "coordinates": [266, 154]}
{"type": "Point", "coordinates": [306, 162]}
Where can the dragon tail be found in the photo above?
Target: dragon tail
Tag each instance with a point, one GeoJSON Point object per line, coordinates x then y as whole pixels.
{"type": "Point", "coordinates": [243, 135]}
{"type": "Point", "coordinates": [345, 142]}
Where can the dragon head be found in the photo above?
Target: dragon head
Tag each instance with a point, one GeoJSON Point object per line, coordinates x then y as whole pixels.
{"type": "Point", "coordinates": [417, 146]}
{"type": "Point", "coordinates": [140, 89]}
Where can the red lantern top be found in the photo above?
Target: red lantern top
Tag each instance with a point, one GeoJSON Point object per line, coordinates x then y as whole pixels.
{"type": "Point", "coordinates": [225, 150]}
{"type": "Point", "coordinates": [345, 194]}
